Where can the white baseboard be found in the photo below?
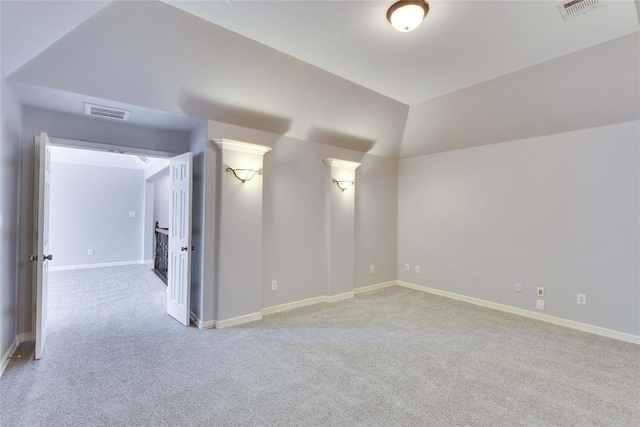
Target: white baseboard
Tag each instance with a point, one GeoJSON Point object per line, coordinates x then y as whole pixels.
{"type": "Point", "coordinates": [375, 287]}
{"type": "Point", "coordinates": [195, 319]}
{"type": "Point", "coordinates": [238, 320]}
{"type": "Point", "coordinates": [147, 261]}
{"type": "Point", "coordinates": [209, 324]}
{"type": "Point", "coordinates": [99, 265]}
{"type": "Point", "coordinates": [6, 357]}
{"type": "Point", "coordinates": [597, 330]}
{"type": "Point", "coordinates": [291, 305]}
{"type": "Point", "coordinates": [340, 297]}
{"type": "Point", "coordinates": [324, 298]}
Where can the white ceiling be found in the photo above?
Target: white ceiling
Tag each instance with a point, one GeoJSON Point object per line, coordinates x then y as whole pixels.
{"type": "Point", "coordinates": [251, 67]}
{"type": "Point", "coordinates": [460, 43]}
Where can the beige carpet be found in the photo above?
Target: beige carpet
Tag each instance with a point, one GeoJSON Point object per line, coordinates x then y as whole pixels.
{"type": "Point", "coordinates": [394, 357]}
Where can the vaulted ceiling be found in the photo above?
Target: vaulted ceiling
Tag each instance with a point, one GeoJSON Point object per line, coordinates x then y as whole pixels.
{"type": "Point", "coordinates": [475, 72]}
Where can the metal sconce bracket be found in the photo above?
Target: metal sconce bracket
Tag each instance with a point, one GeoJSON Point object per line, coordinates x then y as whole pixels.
{"type": "Point", "coordinates": [343, 185]}
{"type": "Point", "coordinates": [248, 173]}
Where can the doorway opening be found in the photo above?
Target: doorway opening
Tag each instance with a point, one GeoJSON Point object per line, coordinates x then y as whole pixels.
{"type": "Point", "coordinates": [104, 208]}
{"type": "Point", "coordinates": [97, 204]}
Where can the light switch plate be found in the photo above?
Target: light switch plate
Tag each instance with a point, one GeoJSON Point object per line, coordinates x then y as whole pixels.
{"type": "Point", "coordinates": [540, 304]}
{"type": "Point", "coordinates": [132, 214]}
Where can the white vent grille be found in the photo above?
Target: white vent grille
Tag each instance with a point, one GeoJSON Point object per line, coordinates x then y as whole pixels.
{"type": "Point", "coordinates": [574, 8]}
{"type": "Point", "coordinates": [106, 112]}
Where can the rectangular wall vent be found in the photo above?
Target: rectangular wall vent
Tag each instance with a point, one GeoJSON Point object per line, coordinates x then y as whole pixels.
{"type": "Point", "coordinates": [574, 8]}
{"type": "Point", "coordinates": [106, 112]}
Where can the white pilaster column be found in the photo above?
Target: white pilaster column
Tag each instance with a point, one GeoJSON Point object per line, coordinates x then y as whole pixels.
{"type": "Point", "coordinates": [239, 261]}
{"type": "Point", "coordinates": [340, 231]}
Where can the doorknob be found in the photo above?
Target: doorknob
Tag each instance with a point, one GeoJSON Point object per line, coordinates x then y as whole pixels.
{"type": "Point", "coordinates": [33, 258]}
{"type": "Point", "coordinates": [184, 248]}
{"type": "Point", "coordinates": [193, 248]}
{"type": "Point", "coordinates": [48, 257]}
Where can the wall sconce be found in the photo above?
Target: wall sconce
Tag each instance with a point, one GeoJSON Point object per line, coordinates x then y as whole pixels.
{"type": "Point", "coordinates": [244, 175]}
{"type": "Point", "coordinates": [343, 185]}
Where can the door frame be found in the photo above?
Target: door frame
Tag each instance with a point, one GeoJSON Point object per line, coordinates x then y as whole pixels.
{"type": "Point", "coordinates": [95, 146]}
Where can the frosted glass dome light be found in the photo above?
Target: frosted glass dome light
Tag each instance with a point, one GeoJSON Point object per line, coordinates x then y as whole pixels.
{"type": "Point", "coordinates": [406, 15]}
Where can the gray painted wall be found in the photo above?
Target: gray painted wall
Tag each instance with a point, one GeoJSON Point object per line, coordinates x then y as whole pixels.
{"type": "Point", "coordinates": [60, 125]}
{"type": "Point", "coordinates": [376, 222]}
{"type": "Point", "coordinates": [161, 200]}
{"type": "Point", "coordinates": [147, 231]}
{"type": "Point", "coordinates": [10, 165]}
{"type": "Point", "coordinates": [294, 223]}
{"type": "Point", "coordinates": [560, 211]}
{"type": "Point", "coordinates": [295, 185]}
{"type": "Point", "coordinates": [239, 266]}
{"type": "Point", "coordinates": [339, 232]}
{"type": "Point", "coordinates": [93, 213]}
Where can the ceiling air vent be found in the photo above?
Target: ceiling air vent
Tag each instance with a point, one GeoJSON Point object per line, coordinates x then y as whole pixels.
{"type": "Point", "coordinates": [574, 8]}
{"type": "Point", "coordinates": [106, 112]}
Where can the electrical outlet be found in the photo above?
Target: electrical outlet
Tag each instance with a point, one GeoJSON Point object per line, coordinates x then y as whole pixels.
{"type": "Point", "coordinates": [518, 287]}
{"type": "Point", "coordinates": [540, 292]}
{"type": "Point", "coordinates": [406, 267]}
{"type": "Point", "coordinates": [372, 269]}
{"type": "Point", "coordinates": [540, 304]}
{"type": "Point", "coordinates": [417, 269]}
{"type": "Point", "coordinates": [274, 285]}
{"type": "Point", "coordinates": [582, 299]}
{"type": "Point", "coordinates": [132, 214]}
{"type": "Point", "coordinates": [90, 252]}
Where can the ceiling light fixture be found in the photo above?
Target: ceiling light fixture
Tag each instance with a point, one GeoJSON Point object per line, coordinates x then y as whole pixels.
{"type": "Point", "coordinates": [406, 15]}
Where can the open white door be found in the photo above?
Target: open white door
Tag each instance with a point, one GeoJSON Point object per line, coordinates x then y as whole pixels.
{"type": "Point", "coordinates": [179, 274]}
{"type": "Point", "coordinates": [41, 237]}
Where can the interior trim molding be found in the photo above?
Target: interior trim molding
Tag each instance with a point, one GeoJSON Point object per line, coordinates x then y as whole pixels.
{"type": "Point", "coordinates": [316, 300]}
{"type": "Point", "coordinates": [291, 305]}
{"type": "Point", "coordinates": [209, 324]}
{"type": "Point", "coordinates": [243, 147]}
{"type": "Point", "coordinates": [341, 164]}
{"type": "Point", "coordinates": [340, 297]}
{"type": "Point", "coordinates": [98, 146]}
{"type": "Point", "coordinates": [7, 355]}
{"type": "Point", "coordinates": [584, 327]}
{"type": "Point", "coordinates": [374, 287]}
{"type": "Point", "coordinates": [238, 320]}
{"type": "Point", "coordinates": [99, 265]}
{"type": "Point", "coordinates": [195, 319]}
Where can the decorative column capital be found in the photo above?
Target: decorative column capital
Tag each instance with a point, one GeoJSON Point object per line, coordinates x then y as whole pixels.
{"type": "Point", "coordinates": [341, 164]}
{"type": "Point", "coordinates": [244, 147]}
